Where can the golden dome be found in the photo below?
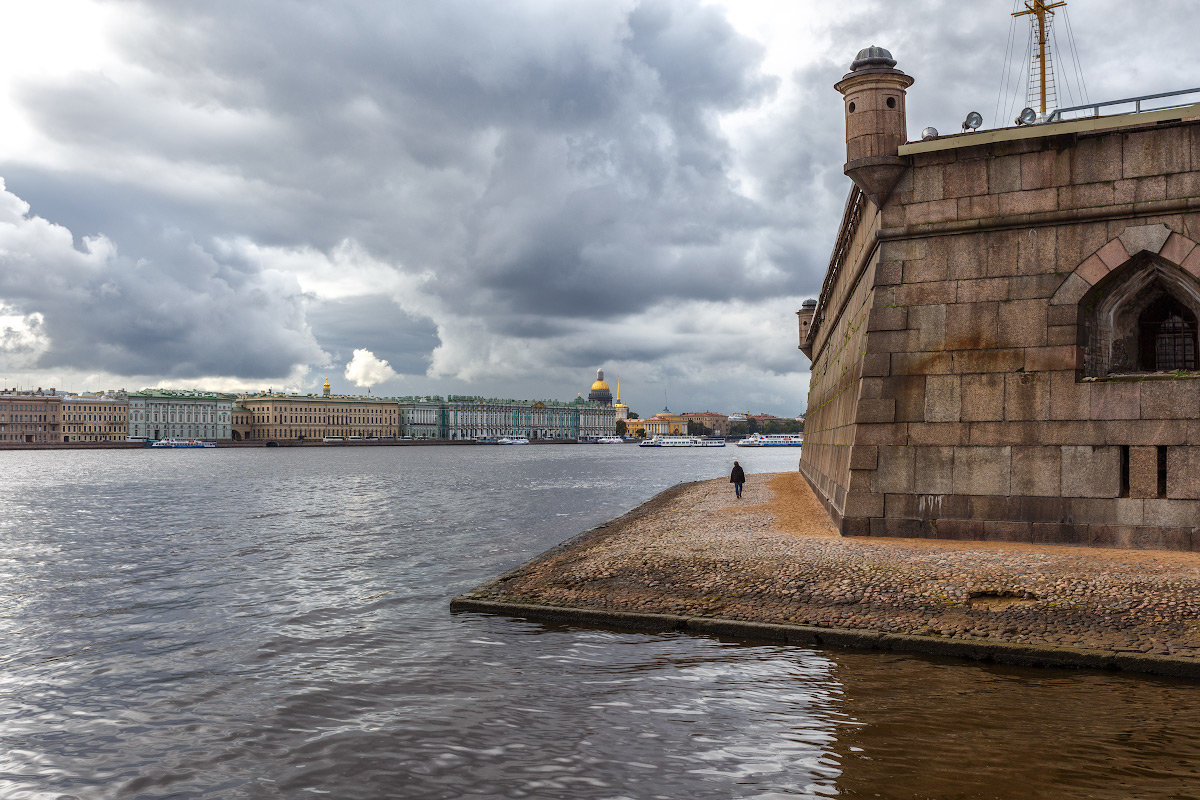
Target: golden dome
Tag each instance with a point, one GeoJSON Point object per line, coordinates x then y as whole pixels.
{"type": "Point", "coordinates": [599, 386]}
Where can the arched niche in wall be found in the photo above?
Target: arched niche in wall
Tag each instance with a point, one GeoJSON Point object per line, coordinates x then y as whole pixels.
{"type": "Point", "coordinates": [1140, 318]}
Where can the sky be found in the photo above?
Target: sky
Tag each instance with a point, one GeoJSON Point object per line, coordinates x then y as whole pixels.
{"type": "Point", "coordinates": [454, 197]}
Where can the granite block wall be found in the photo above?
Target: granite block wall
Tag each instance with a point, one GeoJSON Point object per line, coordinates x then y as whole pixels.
{"type": "Point", "coordinates": [959, 399]}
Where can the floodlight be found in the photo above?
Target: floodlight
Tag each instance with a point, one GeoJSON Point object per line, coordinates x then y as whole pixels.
{"type": "Point", "coordinates": [929, 133]}
{"type": "Point", "coordinates": [973, 121]}
{"type": "Point", "coordinates": [1027, 117]}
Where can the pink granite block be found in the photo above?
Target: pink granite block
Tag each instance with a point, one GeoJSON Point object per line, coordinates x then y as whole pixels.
{"type": "Point", "coordinates": [927, 184]}
{"type": "Point", "coordinates": [1093, 269]}
{"type": "Point", "coordinates": [1177, 248]}
{"type": "Point", "coordinates": [981, 290]}
{"type": "Point", "coordinates": [1192, 262]}
{"type": "Point", "coordinates": [1113, 254]}
{"type": "Point", "coordinates": [1046, 168]}
{"type": "Point", "coordinates": [1116, 401]}
{"type": "Point", "coordinates": [1031, 202]}
{"type": "Point", "coordinates": [1038, 359]}
{"type": "Point", "coordinates": [978, 206]}
{"type": "Point", "coordinates": [963, 178]}
{"type": "Point", "coordinates": [935, 211]}
{"type": "Point", "coordinates": [1085, 196]}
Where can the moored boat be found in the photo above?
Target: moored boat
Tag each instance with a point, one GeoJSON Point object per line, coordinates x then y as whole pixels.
{"type": "Point", "coordinates": [610, 440]}
{"type": "Point", "coordinates": [518, 440]}
{"type": "Point", "coordinates": [772, 440]}
{"type": "Point", "coordinates": [671, 441]}
{"type": "Point", "coordinates": [184, 444]}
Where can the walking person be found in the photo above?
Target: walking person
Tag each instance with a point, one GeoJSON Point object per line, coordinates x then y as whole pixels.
{"type": "Point", "coordinates": [737, 477]}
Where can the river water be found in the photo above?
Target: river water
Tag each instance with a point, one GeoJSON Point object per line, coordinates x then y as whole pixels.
{"type": "Point", "coordinates": [268, 623]}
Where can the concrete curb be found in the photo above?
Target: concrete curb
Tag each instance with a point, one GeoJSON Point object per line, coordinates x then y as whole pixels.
{"type": "Point", "coordinates": [1014, 653]}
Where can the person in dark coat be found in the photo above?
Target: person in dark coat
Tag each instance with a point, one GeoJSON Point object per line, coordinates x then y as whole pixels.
{"type": "Point", "coordinates": [737, 477]}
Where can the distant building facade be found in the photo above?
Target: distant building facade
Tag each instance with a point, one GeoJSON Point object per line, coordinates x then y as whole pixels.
{"type": "Point", "coordinates": [664, 423]}
{"type": "Point", "coordinates": [717, 423]}
{"type": "Point", "coordinates": [95, 418]}
{"type": "Point", "coordinates": [421, 418]}
{"type": "Point", "coordinates": [179, 414]}
{"type": "Point", "coordinates": [30, 417]}
{"type": "Point", "coordinates": [475, 418]}
{"type": "Point", "coordinates": [241, 422]}
{"type": "Point", "coordinates": [1005, 344]}
{"type": "Point", "coordinates": [275, 416]}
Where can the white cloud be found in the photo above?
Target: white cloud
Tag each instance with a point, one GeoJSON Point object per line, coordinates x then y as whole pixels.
{"type": "Point", "coordinates": [366, 370]}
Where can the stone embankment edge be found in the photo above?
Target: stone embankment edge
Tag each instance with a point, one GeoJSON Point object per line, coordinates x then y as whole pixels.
{"type": "Point", "coordinates": [1012, 653]}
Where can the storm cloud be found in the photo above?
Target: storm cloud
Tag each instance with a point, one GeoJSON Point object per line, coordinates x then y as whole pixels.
{"type": "Point", "coordinates": [489, 197]}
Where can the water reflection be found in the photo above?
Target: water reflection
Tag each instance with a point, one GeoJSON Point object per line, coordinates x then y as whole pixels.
{"type": "Point", "coordinates": [936, 729]}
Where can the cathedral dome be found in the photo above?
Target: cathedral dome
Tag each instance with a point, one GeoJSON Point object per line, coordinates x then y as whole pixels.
{"type": "Point", "coordinates": [600, 392]}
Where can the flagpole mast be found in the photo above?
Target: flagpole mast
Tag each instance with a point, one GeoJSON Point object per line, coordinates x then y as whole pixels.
{"type": "Point", "coordinates": [1039, 9]}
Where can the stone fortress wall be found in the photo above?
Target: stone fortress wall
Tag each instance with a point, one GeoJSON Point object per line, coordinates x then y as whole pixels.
{"type": "Point", "coordinates": [1003, 390]}
{"type": "Point", "coordinates": [838, 353]}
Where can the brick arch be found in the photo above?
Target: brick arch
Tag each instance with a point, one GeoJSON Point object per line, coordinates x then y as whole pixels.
{"type": "Point", "coordinates": [1156, 240]}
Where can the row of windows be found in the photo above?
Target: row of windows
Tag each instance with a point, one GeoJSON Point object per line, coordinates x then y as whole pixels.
{"type": "Point", "coordinates": [144, 417]}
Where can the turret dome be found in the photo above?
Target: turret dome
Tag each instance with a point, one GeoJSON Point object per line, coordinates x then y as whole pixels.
{"type": "Point", "coordinates": [873, 56]}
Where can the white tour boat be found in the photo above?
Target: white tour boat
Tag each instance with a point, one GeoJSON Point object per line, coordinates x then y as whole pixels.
{"type": "Point", "coordinates": [183, 444]}
{"type": "Point", "coordinates": [674, 441]}
{"type": "Point", "coordinates": [610, 440]}
{"type": "Point", "coordinates": [518, 440]}
{"type": "Point", "coordinates": [772, 440]}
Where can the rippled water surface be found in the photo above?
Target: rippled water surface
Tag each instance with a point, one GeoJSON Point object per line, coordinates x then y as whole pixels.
{"type": "Point", "coordinates": [273, 623]}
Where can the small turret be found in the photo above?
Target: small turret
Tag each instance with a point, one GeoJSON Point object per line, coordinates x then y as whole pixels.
{"type": "Point", "coordinates": [326, 387]}
{"type": "Point", "coordinates": [808, 310]}
{"type": "Point", "coordinates": [875, 122]}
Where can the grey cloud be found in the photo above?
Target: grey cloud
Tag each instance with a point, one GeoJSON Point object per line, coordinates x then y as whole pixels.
{"type": "Point", "coordinates": [606, 148]}
{"type": "Point", "coordinates": [183, 317]}
{"type": "Point", "coordinates": [377, 324]}
{"type": "Point", "coordinates": [559, 169]}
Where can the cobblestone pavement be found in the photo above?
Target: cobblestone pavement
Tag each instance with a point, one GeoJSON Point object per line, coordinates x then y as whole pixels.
{"type": "Point", "coordinates": [775, 557]}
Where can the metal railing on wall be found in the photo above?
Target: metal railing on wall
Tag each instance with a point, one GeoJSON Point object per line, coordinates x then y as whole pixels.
{"type": "Point", "coordinates": [1137, 102]}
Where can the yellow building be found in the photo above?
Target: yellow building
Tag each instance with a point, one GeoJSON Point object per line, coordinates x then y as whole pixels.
{"type": "Point", "coordinates": [292, 416]}
{"type": "Point", "coordinates": [95, 418]}
{"type": "Point", "coordinates": [664, 423]}
{"type": "Point", "coordinates": [242, 422]}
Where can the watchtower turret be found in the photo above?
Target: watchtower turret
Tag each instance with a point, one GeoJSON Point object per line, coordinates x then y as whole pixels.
{"type": "Point", "coordinates": [875, 123]}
